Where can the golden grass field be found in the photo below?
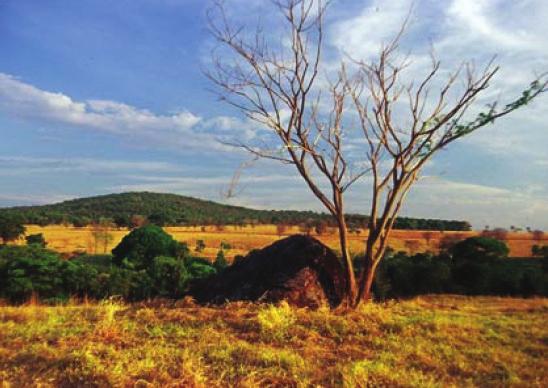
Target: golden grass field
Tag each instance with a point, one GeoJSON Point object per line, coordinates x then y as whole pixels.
{"type": "Point", "coordinates": [68, 239]}
{"type": "Point", "coordinates": [429, 341]}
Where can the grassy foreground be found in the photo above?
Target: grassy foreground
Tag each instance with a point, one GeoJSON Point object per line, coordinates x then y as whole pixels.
{"type": "Point", "coordinates": [427, 341]}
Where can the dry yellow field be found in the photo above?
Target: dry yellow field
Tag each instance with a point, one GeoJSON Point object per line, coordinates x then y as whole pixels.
{"type": "Point", "coordinates": [428, 341]}
{"type": "Point", "coordinates": [68, 239]}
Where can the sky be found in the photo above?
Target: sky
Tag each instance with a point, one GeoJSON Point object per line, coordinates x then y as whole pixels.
{"type": "Point", "coordinates": [103, 96]}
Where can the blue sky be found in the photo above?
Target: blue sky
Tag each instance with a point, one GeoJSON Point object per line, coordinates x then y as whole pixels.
{"type": "Point", "coordinates": [104, 96]}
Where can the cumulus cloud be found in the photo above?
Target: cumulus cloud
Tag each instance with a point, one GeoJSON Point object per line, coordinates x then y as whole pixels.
{"type": "Point", "coordinates": [181, 130]}
{"type": "Point", "coordinates": [28, 101]}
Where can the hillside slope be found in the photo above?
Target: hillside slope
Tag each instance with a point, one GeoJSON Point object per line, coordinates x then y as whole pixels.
{"type": "Point", "coordinates": [172, 209]}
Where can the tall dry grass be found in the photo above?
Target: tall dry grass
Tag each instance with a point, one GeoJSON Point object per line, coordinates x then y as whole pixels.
{"type": "Point", "coordinates": [431, 341]}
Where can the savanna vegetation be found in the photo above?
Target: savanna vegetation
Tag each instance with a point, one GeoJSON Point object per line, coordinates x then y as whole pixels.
{"type": "Point", "coordinates": [428, 341]}
{"type": "Point", "coordinates": [149, 263]}
{"type": "Point", "coordinates": [463, 314]}
{"type": "Point", "coordinates": [134, 209]}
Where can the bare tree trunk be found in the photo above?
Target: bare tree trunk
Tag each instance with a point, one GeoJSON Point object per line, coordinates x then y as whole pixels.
{"type": "Point", "coordinates": [366, 282]}
{"type": "Point", "coordinates": [374, 251]}
{"type": "Point", "coordinates": [351, 284]}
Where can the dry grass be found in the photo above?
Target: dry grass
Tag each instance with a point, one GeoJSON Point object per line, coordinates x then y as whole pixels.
{"type": "Point", "coordinates": [428, 341]}
{"type": "Point", "coordinates": [242, 239]}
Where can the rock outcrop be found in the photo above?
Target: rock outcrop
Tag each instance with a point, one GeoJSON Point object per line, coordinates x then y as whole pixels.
{"type": "Point", "coordinates": [298, 269]}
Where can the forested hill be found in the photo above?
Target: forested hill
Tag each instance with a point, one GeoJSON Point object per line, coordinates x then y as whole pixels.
{"type": "Point", "coordinates": [170, 209]}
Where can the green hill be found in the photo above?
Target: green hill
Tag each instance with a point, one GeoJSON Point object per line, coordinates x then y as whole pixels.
{"type": "Point", "coordinates": [172, 209]}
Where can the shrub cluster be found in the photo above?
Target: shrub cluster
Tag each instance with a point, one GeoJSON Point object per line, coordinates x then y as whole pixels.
{"type": "Point", "coordinates": [147, 263]}
{"type": "Point", "coordinates": [475, 266]}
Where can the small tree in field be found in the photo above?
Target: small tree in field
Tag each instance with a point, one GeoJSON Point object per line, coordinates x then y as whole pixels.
{"type": "Point", "coordinates": [101, 233]}
{"type": "Point", "coordinates": [279, 87]}
{"type": "Point", "coordinates": [200, 246]}
{"type": "Point", "coordinates": [36, 239]}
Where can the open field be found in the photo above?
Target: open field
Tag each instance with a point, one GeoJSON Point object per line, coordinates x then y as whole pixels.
{"type": "Point", "coordinates": [68, 239]}
{"type": "Point", "coordinates": [425, 342]}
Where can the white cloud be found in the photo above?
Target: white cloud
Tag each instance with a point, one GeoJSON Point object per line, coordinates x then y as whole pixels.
{"type": "Point", "coordinates": [362, 36]}
{"type": "Point", "coordinates": [479, 204]}
{"type": "Point", "coordinates": [39, 199]}
{"type": "Point", "coordinates": [19, 165]}
{"type": "Point", "coordinates": [30, 103]}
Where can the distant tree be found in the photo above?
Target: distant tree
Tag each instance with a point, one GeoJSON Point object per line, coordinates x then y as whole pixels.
{"type": "Point", "coordinates": [36, 239]}
{"type": "Point", "coordinates": [500, 234]}
{"type": "Point", "coordinates": [448, 241]}
{"type": "Point", "coordinates": [321, 227]}
{"type": "Point", "coordinates": [11, 228]}
{"type": "Point", "coordinates": [101, 234]}
{"type": "Point", "coordinates": [220, 262]}
{"type": "Point", "coordinates": [479, 248]}
{"type": "Point", "coordinates": [159, 218]}
{"type": "Point", "coordinates": [306, 227]}
{"type": "Point", "coordinates": [200, 246]}
{"type": "Point", "coordinates": [80, 222]}
{"type": "Point", "coordinates": [121, 221]}
{"type": "Point", "coordinates": [538, 235]}
{"type": "Point", "coordinates": [540, 251]}
{"type": "Point", "coordinates": [225, 246]}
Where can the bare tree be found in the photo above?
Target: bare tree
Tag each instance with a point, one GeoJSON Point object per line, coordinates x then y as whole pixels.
{"type": "Point", "coordinates": [101, 233]}
{"type": "Point", "coordinates": [279, 87]}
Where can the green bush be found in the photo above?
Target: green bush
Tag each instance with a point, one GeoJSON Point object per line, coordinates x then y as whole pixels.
{"type": "Point", "coordinates": [478, 266]}
{"type": "Point", "coordinates": [36, 239]}
{"type": "Point", "coordinates": [11, 227]}
{"type": "Point", "coordinates": [401, 275]}
{"type": "Point", "coordinates": [479, 248]}
{"type": "Point", "coordinates": [142, 245]}
{"type": "Point", "coordinates": [220, 262]}
{"type": "Point", "coordinates": [169, 276]}
{"type": "Point", "coordinates": [29, 270]}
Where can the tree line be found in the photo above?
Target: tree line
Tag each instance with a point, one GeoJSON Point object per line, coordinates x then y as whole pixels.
{"type": "Point", "coordinates": [135, 209]}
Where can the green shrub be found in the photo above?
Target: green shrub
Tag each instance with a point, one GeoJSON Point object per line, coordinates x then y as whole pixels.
{"type": "Point", "coordinates": [169, 276]}
{"type": "Point", "coordinates": [479, 248]}
{"type": "Point", "coordinates": [142, 245]}
{"type": "Point", "coordinates": [199, 268]}
{"type": "Point", "coordinates": [36, 239]}
{"type": "Point", "coordinates": [220, 262]}
{"type": "Point", "coordinates": [401, 275]}
{"type": "Point", "coordinates": [200, 246]}
{"type": "Point", "coordinates": [11, 227]}
{"type": "Point", "coordinates": [25, 275]}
